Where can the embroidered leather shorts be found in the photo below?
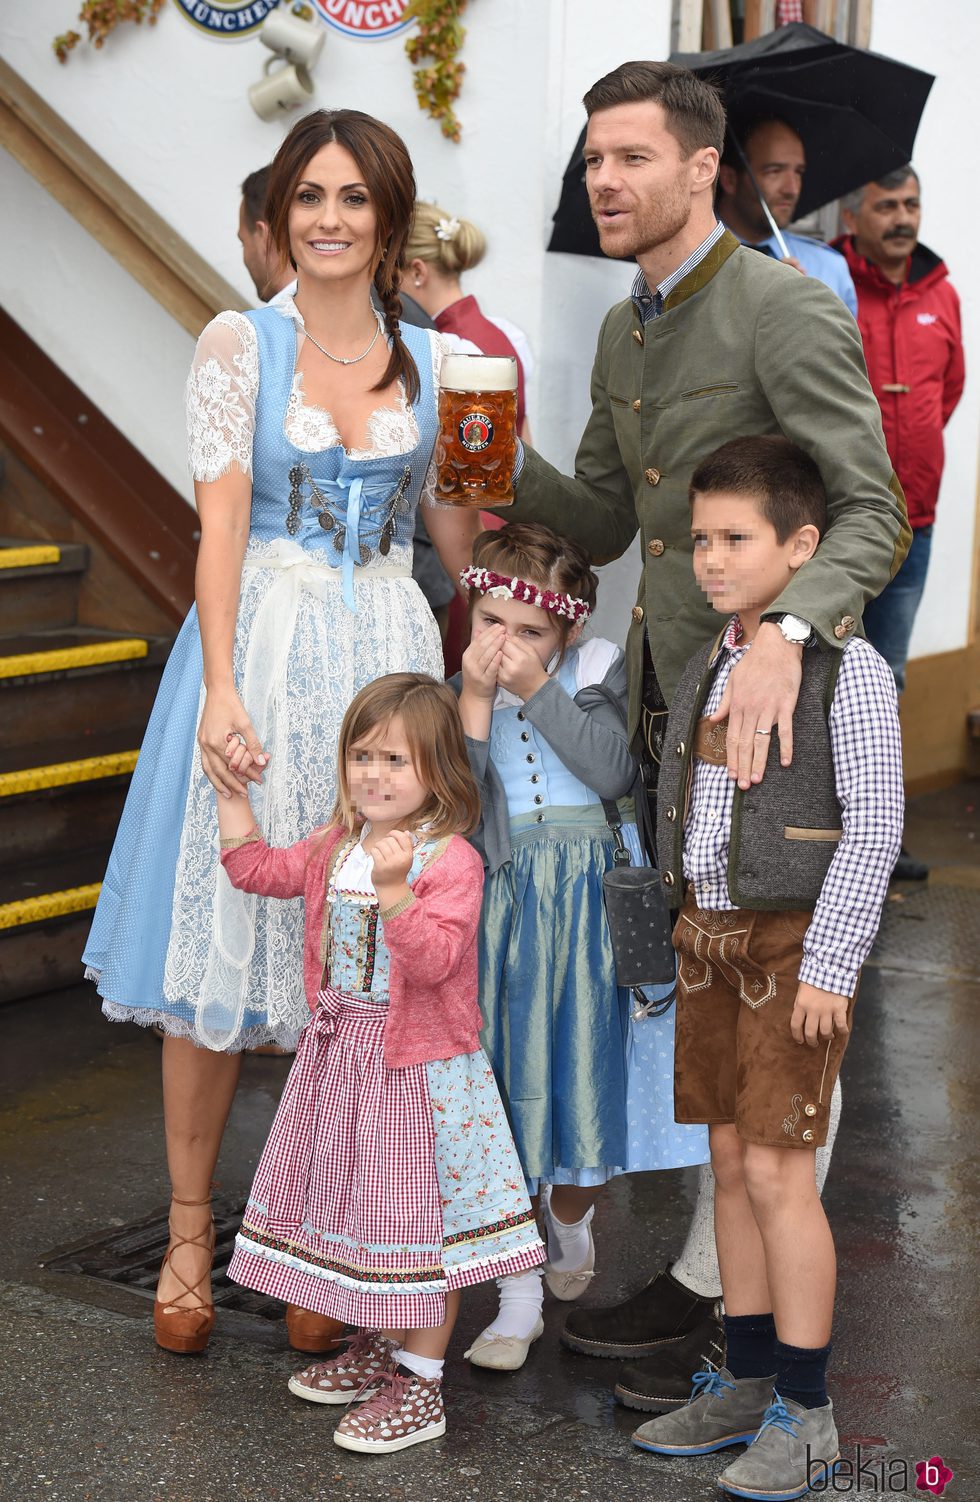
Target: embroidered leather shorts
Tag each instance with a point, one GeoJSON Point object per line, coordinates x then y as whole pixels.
{"type": "Point", "coordinates": [735, 1058]}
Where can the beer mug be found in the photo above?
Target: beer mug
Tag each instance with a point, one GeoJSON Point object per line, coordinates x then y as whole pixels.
{"type": "Point", "coordinates": [477, 442]}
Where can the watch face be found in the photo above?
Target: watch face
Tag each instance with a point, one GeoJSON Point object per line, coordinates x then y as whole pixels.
{"type": "Point", "coordinates": [794, 629]}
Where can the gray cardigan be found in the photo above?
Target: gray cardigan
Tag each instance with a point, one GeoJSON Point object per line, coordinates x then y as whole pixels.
{"type": "Point", "coordinates": [586, 732]}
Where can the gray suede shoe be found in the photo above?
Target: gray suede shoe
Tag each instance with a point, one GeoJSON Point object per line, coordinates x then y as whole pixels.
{"type": "Point", "coordinates": [796, 1449]}
{"type": "Point", "coordinates": [722, 1411]}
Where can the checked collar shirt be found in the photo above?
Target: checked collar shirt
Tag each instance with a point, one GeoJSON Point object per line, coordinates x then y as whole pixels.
{"type": "Point", "coordinates": [867, 749]}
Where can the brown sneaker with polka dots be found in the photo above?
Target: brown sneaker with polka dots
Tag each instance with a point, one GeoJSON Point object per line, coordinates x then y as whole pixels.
{"type": "Point", "coordinates": [348, 1377]}
{"type": "Point", "coordinates": [404, 1411]}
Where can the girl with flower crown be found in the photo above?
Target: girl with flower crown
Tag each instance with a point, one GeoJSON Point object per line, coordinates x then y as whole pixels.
{"type": "Point", "coordinates": [589, 1090]}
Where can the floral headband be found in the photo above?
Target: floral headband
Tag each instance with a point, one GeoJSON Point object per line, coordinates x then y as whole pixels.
{"type": "Point", "coordinates": [447, 229]}
{"type": "Point", "coordinates": [501, 587]}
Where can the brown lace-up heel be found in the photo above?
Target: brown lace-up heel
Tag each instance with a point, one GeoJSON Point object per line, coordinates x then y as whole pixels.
{"type": "Point", "coordinates": [182, 1326]}
{"type": "Point", "coordinates": [315, 1334]}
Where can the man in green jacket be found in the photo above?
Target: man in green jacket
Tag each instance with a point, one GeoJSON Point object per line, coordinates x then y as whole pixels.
{"type": "Point", "coordinates": [716, 341]}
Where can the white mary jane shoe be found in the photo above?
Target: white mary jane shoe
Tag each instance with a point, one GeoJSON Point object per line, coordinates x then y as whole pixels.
{"type": "Point", "coordinates": [573, 1283]}
{"type": "Point", "coordinates": [503, 1353]}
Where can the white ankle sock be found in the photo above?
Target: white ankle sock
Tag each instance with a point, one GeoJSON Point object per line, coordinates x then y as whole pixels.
{"type": "Point", "coordinates": [521, 1297]}
{"type": "Point", "coordinates": [568, 1244]}
{"type": "Point", "coordinates": [697, 1265]}
{"type": "Point", "coordinates": [422, 1366]}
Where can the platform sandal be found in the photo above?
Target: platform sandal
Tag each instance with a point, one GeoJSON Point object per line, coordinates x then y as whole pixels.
{"type": "Point", "coordinates": [182, 1327]}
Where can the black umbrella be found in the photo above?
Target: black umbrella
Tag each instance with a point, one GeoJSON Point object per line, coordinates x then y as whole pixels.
{"type": "Point", "coordinates": [856, 112]}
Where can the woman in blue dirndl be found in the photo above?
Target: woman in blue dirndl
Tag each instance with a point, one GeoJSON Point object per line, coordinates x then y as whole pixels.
{"type": "Point", "coordinates": [311, 425]}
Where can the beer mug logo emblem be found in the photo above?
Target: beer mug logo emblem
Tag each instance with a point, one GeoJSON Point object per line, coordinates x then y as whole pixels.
{"type": "Point", "coordinates": [475, 432]}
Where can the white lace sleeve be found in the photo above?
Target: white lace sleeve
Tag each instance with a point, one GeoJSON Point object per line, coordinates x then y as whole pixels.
{"type": "Point", "coordinates": [441, 345]}
{"type": "Point", "coordinates": [221, 391]}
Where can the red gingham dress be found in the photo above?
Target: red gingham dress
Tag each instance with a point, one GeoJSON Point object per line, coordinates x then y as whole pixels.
{"type": "Point", "coordinates": [347, 1216]}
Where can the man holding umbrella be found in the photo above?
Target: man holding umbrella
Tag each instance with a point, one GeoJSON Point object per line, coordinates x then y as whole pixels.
{"type": "Point", "coordinates": [763, 169]}
{"type": "Point", "coordinates": [715, 342]}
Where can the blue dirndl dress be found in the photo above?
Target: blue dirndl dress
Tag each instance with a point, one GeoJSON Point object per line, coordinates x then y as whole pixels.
{"type": "Point", "coordinates": [589, 1091]}
{"type": "Point", "coordinates": [323, 610]}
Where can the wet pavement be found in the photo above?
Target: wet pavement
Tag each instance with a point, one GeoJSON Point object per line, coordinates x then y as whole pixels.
{"type": "Point", "coordinates": [92, 1410]}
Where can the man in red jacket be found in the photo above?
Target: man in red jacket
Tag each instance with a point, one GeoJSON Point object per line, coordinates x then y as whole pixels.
{"type": "Point", "coordinates": [909, 317]}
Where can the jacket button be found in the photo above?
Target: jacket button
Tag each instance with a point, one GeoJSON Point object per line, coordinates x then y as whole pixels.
{"type": "Point", "coordinates": [656, 546]}
{"type": "Point", "coordinates": [680, 748]}
{"type": "Point", "coordinates": [525, 736]}
{"type": "Point", "coordinates": [652, 476]}
{"type": "Point", "coordinates": [637, 613]}
{"type": "Point", "coordinates": [809, 1110]}
{"type": "Point", "coordinates": [636, 405]}
{"type": "Point", "coordinates": [638, 336]}
{"type": "Point", "coordinates": [538, 798]}
{"type": "Point", "coordinates": [668, 878]}
{"type": "Point", "coordinates": [539, 818]}
{"type": "Point", "coordinates": [671, 813]}
{"type": "Point", "coordinates": [520, 714]}
{"type": "Point", "coordinates": [535, 776]}
{"type": "Point", "coordinates": [529, 757]}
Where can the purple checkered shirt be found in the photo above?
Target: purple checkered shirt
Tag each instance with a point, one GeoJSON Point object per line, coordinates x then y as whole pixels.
{"type": "Point", "coordinates": [866, 745]}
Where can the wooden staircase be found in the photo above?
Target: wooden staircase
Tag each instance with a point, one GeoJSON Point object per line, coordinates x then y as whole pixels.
{"type": "Point", "coordinates": [74, 701]}
{"type": "Point", "coordinates": [96, 573]}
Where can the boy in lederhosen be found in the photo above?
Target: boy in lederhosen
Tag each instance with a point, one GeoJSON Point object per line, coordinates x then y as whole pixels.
{"type": "Point", "coordinates": [782, 882]}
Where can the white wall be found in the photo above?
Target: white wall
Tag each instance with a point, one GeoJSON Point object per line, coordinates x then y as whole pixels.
{"type": "Point", "coordinates": [106, 333]}
{"type": "Point", "coordinates": [167, 109]}
{"type": "Point", "coordinates": [948, 47]}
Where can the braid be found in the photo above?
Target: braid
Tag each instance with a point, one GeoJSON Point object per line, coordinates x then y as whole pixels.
{"type": "Point", "coordinates": [400, 363]}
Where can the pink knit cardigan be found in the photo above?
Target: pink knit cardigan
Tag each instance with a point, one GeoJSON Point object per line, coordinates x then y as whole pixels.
{"type": "Point", "coordinates": [433, 1011]}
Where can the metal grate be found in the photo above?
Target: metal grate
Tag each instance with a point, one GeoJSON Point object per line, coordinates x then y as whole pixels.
{"type": "Point", "coordinates": [933, 931]}
{"type": "Point", "coordinates": [130, 1256]}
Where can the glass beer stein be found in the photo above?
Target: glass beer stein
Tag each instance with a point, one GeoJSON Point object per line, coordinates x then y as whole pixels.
{"type": "Point", "coordinates": [477, 442]}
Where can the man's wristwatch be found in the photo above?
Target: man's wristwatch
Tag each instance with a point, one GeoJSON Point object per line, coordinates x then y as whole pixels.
{"type": "Point", "coordinates": [793, 628]}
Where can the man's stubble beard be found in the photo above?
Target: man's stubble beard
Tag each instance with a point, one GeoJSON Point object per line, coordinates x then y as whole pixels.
{"type": "Point", "coordinates": [660, 221]}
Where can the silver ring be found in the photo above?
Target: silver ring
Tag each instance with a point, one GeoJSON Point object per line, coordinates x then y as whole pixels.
{"type": "Point", "coordinates": [243, 742]}
{"type": "Point", "coordinates": [758, 732]}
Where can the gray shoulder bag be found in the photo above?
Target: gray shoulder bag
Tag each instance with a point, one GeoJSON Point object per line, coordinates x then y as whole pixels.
{"type": "Point", "coordinates": [636, 908]}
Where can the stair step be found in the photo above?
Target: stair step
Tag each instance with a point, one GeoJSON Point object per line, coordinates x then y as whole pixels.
{"type": "Point", "coordinates": [38, 958]}
{"type": "Point", "coordinates": [63, 659]}
{"type": "Point", "coordinates": [39, 583]}
{"type": "Point", "coordinates": [56, 811]}
{"type": "Point", "coordinates": [65, 773]}
{"type": "Point", "coordinates": [92, 746]}
{"type": "Point", "coordinates": [38, 890]}
{"type": "Point", "coordinates": [28, 555]}
{"type": "Point", "coordinates": [79, 684]}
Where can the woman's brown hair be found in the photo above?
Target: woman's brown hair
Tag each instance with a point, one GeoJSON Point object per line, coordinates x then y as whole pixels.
{"type": "Point", "coordinates": [430, 718]}
{"type": "Point", "coordinates": [386, 167]}
{"type": "Point", "coordinates": [531, 551]}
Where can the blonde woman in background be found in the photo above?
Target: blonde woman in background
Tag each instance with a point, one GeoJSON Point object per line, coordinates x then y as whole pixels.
{"type": "Point", "coordinates": [440, 249]}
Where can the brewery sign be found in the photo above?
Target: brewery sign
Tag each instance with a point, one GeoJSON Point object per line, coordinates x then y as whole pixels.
{"type": "Point", "coordinates": [365, 20]}
{"type": "Point", "coordinates": [226, 19]}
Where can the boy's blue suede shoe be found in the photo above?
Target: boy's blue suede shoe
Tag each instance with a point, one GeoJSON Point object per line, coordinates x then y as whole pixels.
{"type": "Point", "coordinates": [795, 1449]}
{"type": "Point", "coordinates": [722, 1411]}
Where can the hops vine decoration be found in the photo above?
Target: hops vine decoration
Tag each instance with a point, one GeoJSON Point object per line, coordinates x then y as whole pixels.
{"type": "Point", "coordinates": [439, 37]}
{"type": "Point", "coordinates": [103, 16]}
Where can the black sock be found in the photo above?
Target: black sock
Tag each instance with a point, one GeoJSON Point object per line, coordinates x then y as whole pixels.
{"type": "Point", "coordinates": [750, 1340]}
{"type": "Point", "coordinates": [801, 1374]}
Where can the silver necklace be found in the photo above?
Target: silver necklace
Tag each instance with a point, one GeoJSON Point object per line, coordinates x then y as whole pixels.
{"type": "Point", "coordinates": [339, 359]}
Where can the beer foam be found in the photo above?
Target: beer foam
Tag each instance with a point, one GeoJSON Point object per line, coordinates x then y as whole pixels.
{"type": "Point", "coordinates": [478, 373]}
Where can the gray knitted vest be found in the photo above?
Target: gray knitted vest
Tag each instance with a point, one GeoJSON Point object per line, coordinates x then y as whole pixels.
{"type": "Point", "coordinates": [785, 829]}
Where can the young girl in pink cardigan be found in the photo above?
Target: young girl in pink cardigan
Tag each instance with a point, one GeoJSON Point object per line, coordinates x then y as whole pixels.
{"type": "Point", "coordinates": [390, 1179]}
